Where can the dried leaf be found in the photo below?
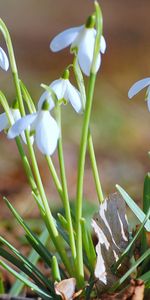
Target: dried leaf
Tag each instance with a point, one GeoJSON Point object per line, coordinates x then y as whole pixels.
{"type": "Point", "coordinates": [111, 228]}
{"type": "Point", "coordinates": [134, 292]}
{"type": "Point", "coordinates": [66, 288]}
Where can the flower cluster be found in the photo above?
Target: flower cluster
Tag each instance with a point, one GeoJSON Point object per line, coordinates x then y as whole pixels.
{"type": "Point", "coordinates": [41, 124]}
{"type": "Point", "coordinates": [82, 41]}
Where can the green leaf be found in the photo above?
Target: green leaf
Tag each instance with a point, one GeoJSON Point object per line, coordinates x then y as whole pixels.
{"type": "Point", "coordinates": [21, 266]}
{"type": "Point", "coordinates": [146, 278]}
{"type": "Point", "coordinates": [87, 244]}
{"type": "Point", "coordinates": [27, 282]}
{"type": "Point", "coordinates": [2, 289]}
{"type": "Point", "coordinates": [33, 257]}
{"type": "Point", "coordinates": [27, 97]}
{"type": "Point", "coordinates": [146, 205]}
{"type": "Point", "coordinates": [32, 238]}
{"type": "Point", "coordinates": [131, 244]}
{"type": "Point", "coordinates": [131, 270]}
{"type": "Point", "coordinates": [134, 207]}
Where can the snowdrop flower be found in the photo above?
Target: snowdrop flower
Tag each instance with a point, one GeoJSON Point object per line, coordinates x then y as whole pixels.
{"type": "Point", "coordinates": [4, 62]}
{"type": "Point", "coordinates": [82, 39]}
{"type": "Point", "coordinates": [4, 122]}
{"type": "Point", "coordinates": [63, 90]}
{"type": "Point", "coordinates": [14, 116]}
{"type": "Point", "coordinates": [138, 86]}
{"type": "Point", "coordinates": [45, 127]}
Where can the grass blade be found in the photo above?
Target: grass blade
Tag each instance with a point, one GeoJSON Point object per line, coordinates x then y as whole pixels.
{"type": "Point", "coordinates": [27, 282]}
{"type": "Point", "coordinates": [134, 207]}
{"type": "Point", "coordinates": [33, 257]}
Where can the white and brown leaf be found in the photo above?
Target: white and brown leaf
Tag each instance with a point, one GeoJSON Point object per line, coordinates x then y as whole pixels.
{"type": "Point", "coordinates": [111, 227]}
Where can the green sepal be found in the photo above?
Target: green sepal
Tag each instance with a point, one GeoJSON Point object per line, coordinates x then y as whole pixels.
{"type": "Point", "coordinates": [90, 23]}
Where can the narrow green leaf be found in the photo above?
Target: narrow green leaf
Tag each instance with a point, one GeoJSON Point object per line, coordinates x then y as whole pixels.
{"type": "Point", "coordinates": [27, 97]}
{"type": "Point", "coordinates": [33, 239]}
{"type": "Point", "coordinates": [27, 264]}
{"type": "Point", "coordinates": [22, 267]}
{"type": "Point", "coordinates": [27, 282]}
{"type": "Point", "coordinates": [134, 207]}
{"type": "Point", "coordinates": [131, 270]}
{"type": "Point", "coordinates": [2, 289]}
{"type": "Point", "coordinates": [146, 205]}
{"type": "Point", "coordinates": [131, 244]}
{"type": "Point", "coordinates": [88, 246]}
{"type": "Point", "coordinates": [33, 257]}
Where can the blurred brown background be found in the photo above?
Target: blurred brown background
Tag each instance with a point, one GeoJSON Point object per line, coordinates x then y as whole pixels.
{"type": "Point", "coordinates": [120, 127]}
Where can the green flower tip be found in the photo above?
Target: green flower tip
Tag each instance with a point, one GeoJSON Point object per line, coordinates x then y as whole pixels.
{"type": "Point", "coordinates": [148, 175]}
{"type": "Point", "coordinates": [15, 104]}
{"type": "Point", "coordinates": [66, 74]}
{"type": "Point", "coordinates": [45, 105]}
{"type": "Point", "coordinates": [90, 23]}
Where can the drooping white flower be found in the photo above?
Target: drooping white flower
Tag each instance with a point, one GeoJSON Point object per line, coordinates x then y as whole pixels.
{"type": "Point", "coordinates": [4, 62]}
{"type": "Point", "coordinates": [45, 127]}
{"type": "Point", "coordinates": [14, 116]}
{"type": "Point", "coordinates": [63, 90]}
{"type": "Point", "coordinates": [81, 38]}
{"type": "Point", "coordinates": [138, 86]}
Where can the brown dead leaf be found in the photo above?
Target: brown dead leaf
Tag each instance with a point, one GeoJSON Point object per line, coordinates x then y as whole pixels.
{"type": "Point", "coordinates": [111, 228]}
{"type": "Point", "coordinates": [66, 288]}
{"type": "Point", "coordinates": [134, 292]}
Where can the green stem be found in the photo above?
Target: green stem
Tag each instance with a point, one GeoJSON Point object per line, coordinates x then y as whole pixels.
{"type": "Point", "coordinates": [81, 86]}
{"type": "Point", "coordinates": [12, 64]}
{"type": "Point", "coordinates": [81, 164]}
{"type": "Point", "coordinates": [54, 176]}
{"type": "Point", "coordinates": [94, 168]}
{"type": "Point", "coordinates": [50, 221]}
{"type": "Point", "coordinates": [83, 145]}
{"type": "Point", "coordinates": [65, 190]}
{"type": "Point", "coordinates": [48, 215]}
{"type": "Point", "coordinates": [49, 161]}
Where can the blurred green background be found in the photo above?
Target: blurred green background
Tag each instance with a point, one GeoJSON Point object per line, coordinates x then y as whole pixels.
{"type": "Point", "coordinates": [120, 127]}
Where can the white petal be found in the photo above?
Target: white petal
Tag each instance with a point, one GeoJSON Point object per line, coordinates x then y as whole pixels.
{"type": "Point", "coordinates": [138, 86]}
{"type": "Point", "coordinates": [47, 133]}
{"type": "Point", "coordinates": [21, 125]}
{"type": "Point", "coordinates": [102, 45]}
{"type": "Point", "coordinates": [102, 42]}
{"type": "Point", "coordinates": [148, 104]}
{"type": "Point", "coordinates": [86, 50]}
{"type": "Point", "coordinates": [4, 124]}
{"type": "Point", "coordinates": [16, 114]}
{"type": "Point", "coordinates": [74, 97]}
{"type": "Point", "coordinates": [59, 87]}
{"type": "Point", "coordinates": [46, 96]}
{"type": "Point", "coordinates": [64, 39]}
{"type": "Point", "coordinates": [4, 62]}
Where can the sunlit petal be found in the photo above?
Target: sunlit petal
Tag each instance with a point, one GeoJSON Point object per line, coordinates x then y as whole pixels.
{"type": "Point", "coordinates": [21, 125]}
{"type": "Point", "coordinates": [102, 45]}
{"type": "Point", "coordinates": [148, 104]}
{"type": "Point", "coordinates": [4, 62]}
{"type": "Point", "coordinates": [74, 97]}
{"type": "Point", "coordinates": [64, 39]}
{"type": "Point", "coordinates": [59, 87]}
{"type": "Point", "coordinates": [4, 124]}
{"type": "Point", "coordinates": [47, 133]}
{"type": "Point", "coordinates": [46, 96]}
{"type": "Point", "coordinates": [86, 50]}
{"type": "Point", "coordinates": [138, 86]}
